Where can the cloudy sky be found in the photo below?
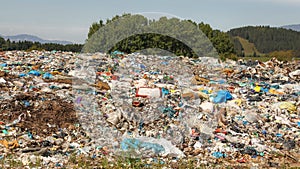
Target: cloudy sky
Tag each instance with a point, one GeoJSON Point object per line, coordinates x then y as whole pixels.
{"type": "Point", "coordinates": [70, 19]}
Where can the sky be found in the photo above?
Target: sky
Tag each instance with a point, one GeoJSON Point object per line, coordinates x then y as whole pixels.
{"type": "Point", "coordinates": [70, 19]}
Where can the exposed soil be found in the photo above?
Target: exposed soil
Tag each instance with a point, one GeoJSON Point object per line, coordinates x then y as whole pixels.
{"type": "Point", "coordinates": [45, 114]}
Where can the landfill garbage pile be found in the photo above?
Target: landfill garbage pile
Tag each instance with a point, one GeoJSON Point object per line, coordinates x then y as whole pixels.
{"type": "Point", "coordinates": [160, 109]}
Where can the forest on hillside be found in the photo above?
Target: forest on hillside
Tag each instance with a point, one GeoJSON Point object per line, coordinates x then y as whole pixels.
{"type": "Point", "coordinates": [7, 45]}
{"type": "Point", "coordinates": [267, 39]}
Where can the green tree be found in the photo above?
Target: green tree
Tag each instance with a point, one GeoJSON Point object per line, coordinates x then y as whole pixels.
{"type": "Point", "coordinates": [220, 40]}
{"type": "Point", "coordinates": [2, 43]}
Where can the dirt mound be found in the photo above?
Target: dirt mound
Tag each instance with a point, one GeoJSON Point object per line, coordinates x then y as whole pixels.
{"type": "Point", "coordinates": [41, 114]}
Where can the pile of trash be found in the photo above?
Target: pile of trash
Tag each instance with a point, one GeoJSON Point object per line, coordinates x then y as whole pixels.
{"type": "Point", "coordinates": [55, 104]}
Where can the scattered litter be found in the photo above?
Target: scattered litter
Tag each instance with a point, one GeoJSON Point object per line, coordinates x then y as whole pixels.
{"type": "Point", "coordinates": [54, 104]}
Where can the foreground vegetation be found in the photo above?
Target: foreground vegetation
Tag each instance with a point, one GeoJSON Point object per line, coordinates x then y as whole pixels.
{"type": "Point", "coordinates": [81, 162]}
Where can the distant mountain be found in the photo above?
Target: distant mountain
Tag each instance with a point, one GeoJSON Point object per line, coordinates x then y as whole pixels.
{"type": "Point", "coordinates": [32, 38]}
{"type": "Point", "coordinates": [295, 27]}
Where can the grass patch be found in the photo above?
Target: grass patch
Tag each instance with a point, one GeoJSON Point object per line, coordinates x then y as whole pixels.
{"type": "Point", "coordinates": [80, 162]}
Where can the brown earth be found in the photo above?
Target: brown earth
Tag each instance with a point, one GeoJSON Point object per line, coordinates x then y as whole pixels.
{"type": "Point", "coordinates": [44, 118]}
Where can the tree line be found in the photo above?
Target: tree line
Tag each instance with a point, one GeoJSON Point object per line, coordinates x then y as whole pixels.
{"type": "Point", "coordinates": [219, 40]}
{"type": "Point", "coordinates": [7, 45]}
{"type": "Point", "coordinates": [267, 40]}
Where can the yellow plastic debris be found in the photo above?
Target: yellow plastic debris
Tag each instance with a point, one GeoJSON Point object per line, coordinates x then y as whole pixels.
{"type": "Point", "coordinates": [288, 106]}
{"type": "Point", "coordinates": [56, 73]}
{"type": "Point", "coordinates": [201, 88]}
{"type": "Point", "coordinates": [273, 91]}
{"type": "Point", "coordinates": [9, 145]}
{"type": "Point", "coordinates": [257, 89]}
{"type": "Point", "coordinates": [238, 101]}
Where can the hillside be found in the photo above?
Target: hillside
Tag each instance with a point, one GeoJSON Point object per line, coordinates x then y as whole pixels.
{"type": "Point", "coordinates": [265, 39]}
{"type": "Point", "coordinates": [32, 38]}
{"type": "Point", "coordinates": [247, 48]}
{"type": "Point", "coordinates": [7, 45]}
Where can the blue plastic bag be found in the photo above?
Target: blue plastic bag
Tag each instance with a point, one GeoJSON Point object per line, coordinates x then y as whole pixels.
{"type": "Point", "coordinates": [264, 90]}
{"type": "Point", "coordinates": [165, 91]}
{"type": "Point", "coordinates": [142, 66]}
{"type": "Point", "coordinates": [132, 143]}
{"type": "Point", "coordinates": [47, 76]}
{"type": "Point", "coordinates": [218, 155]}
{"type": "Point", "coordinates": [34, 72]}
{"type": "Point", "coordinates": [3, 64]}
{"type": "Point", "coordinates": [26, 103]}
{"type": "Point", "coordinates": [222, 96]}
{"type": "Point", "coordinates": [22, 75]}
